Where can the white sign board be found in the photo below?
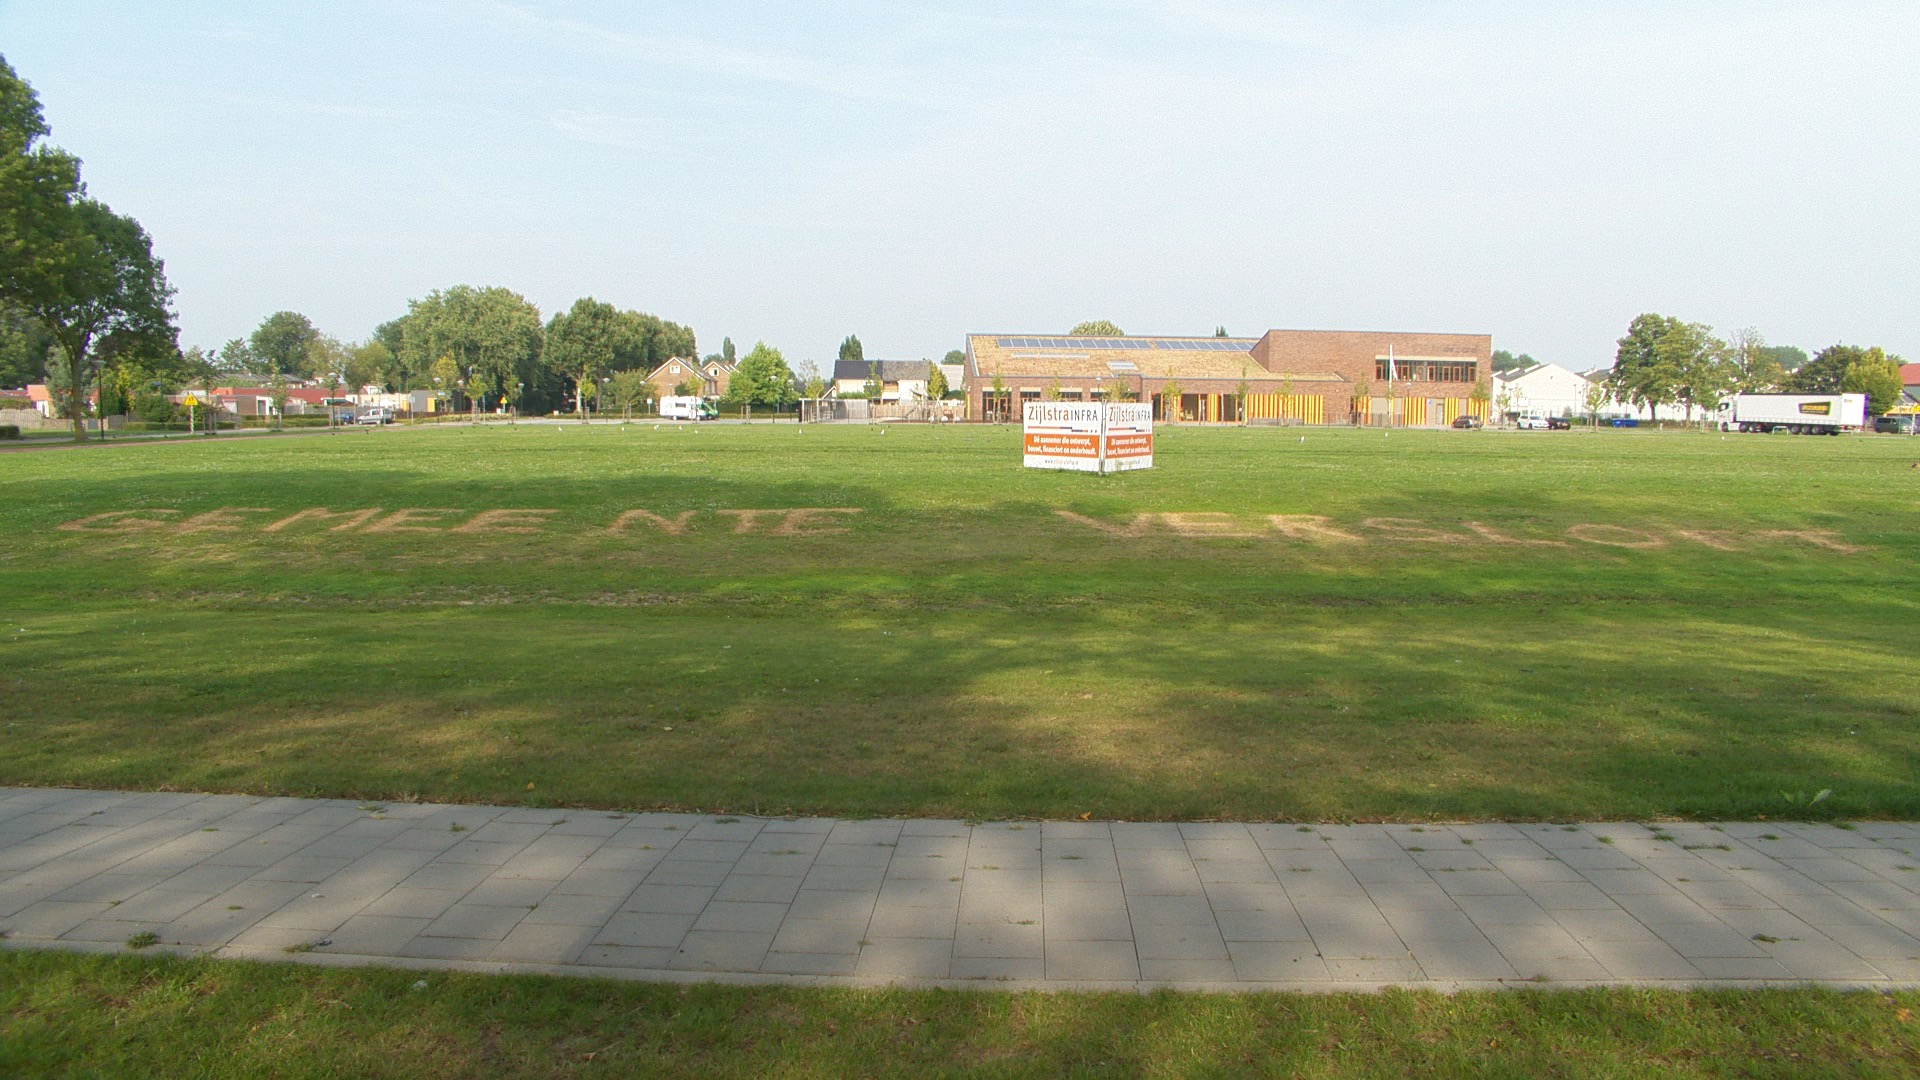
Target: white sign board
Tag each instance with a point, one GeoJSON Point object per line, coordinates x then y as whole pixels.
{"type": "Point", "coordinates": [1088, 436]}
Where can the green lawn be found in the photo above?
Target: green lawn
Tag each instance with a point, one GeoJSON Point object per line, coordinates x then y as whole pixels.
{"type": "Point", "coordinates": [1720, 627]}
{"type": "Point", "coordinates": [125, 1016]}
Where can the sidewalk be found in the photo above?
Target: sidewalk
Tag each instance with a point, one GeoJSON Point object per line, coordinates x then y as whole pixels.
{"type": "Point", "coordinates": [1053, 905]}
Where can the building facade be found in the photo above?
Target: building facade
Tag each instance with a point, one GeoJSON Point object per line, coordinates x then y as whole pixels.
{"type": "Point", "coordinates": [1302, 376]}
{"type": "Point", "coordinates": [1541, 390]}
{"type": "Point", "coordinates": [709, 378]}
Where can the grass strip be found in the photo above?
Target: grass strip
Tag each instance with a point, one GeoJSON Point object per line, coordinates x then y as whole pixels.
{"type": "Point", "coordinates": [123, 1016]}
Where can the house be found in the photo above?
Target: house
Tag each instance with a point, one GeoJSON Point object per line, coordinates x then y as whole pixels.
{"type": "Point", "coordinates": [708, 377]}
{"type": "Point", "coordinates": [1541, 390]}
{"type": "Point", "coordinates": [258, 400]}
{"type": "Point", "coordinates": [1910, 385]}
{"type": "Point", "coordinates": [900, 380]}
{"type": "Point", "coordinates": [41, 399]}
{"type": "Point", "coordinates": [1298, 376]}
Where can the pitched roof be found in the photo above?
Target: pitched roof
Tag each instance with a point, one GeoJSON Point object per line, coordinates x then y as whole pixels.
{"type": "Point", "coordinates": [888, 370]}
{"type": "Point", "coordinates": [694, 364]}
{"type": "Point", "coordinates": [1910, 374]}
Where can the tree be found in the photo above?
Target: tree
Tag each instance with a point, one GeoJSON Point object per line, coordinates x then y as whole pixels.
{"type": "Point", "coordinates": [25, 347]}
{"type": "Point", "coordinates": [627, 389]}
{"type": "Point", "coordinates": [762, 378]}
{"type": "Point", "coordinates": [1789, 357]}
{"type": "Point", "coordinates": [851, 352]}
{"type": "Point", "coordinates": [234, 358]}
{"type": "Point", "coordinates": [373, 364]}
{"type": "Point", "coordinates": [1876, 375]}
{"type": "Point", "coordinates": [999, 387]}
{"type": "Point", "coordinates": [492, 335]}
{"type": "Point", "coordinates": [580, 346]}
{"type": "Point", "coordinates": [1850, 369]}
{"type": "Point", "coordinates": [936, 382]}
{"type": "Point", "coordinates": [330, 361]}
{"type": "Point", "coordinates": [1219, 331]}
{"type": "Point", "coordinates": [726, 350]}
{"type": "Point", "coordinates": [1052, 392]}
{"type": "Point", "coordinates": [954, 356]}
{"type": "Point", "coordinates": [280, 345]}
{"type": "Point", "coordinates": [1506, 361]}
{"type": "Point", "coordinates": [1639, 373]}
{"type": "Point", "coordinates": [1595, 399]}
{"type": "Point", "coordinates": [98, 290]}
{"type": "Point", "coordinates": [1170, 392]}
{"type": "Point", "coordinates": [86, 275]}
{"type": "Point", "coordinates": [875, 386]}
{"type": "Point", "coordinates": [1755, 368]}
{"type": "Point", "coordinates": [1482, 392]}
{"type": "Point", "coordinates": [1240, 390]}
{"type": "Point", "coordinates": [1097, 328]}
{"type": "Point", "coordinates": [1701, 372]}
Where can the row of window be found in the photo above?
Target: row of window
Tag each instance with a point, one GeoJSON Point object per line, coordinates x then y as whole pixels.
{"type": "Point", "coordinates": [1461, 371]}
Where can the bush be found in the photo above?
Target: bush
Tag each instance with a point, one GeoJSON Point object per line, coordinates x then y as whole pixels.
{"type": "Point", "coordinates": [9, 431]}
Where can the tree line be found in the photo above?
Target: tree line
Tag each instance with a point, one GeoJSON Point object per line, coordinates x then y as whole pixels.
{"type": "Point", "coordinates": [1664, 361]}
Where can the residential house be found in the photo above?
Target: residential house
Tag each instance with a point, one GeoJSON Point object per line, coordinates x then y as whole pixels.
{"type": "Point", "coordinates": [1541, 390]}
{"type": "Point", "coordinates": [900, 380]}
{"type": "Point", "coordinates": [709, 377]}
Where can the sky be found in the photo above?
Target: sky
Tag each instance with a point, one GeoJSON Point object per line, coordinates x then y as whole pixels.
{"type": "Point", "coordinates": [1540, 171]}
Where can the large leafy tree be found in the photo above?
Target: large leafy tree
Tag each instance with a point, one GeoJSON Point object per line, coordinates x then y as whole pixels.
{"type": "Point", "coordinates": [581, 344]}
{"type": "Point", "coordinates": [1641, 374]}
{"type": "Point", "coordinates": [1097, 328]}
{"type": "Point", "coordinates": [87, 275]}
{"type": "Point", "coordinates": [646, 341]}
{"type": "Point", "coordinates": [490, 337]}
{"type": "Point", "coordinates": [954, 356]}
{"type": "Point", "coordinates": [25, 346]}
{"type": "Point", "coordinates": [283, 345]}
{"type": "Point", "coordinates": [1850, 369]}
{"type": "Point", "coordinates": [1702, 373]}
{"type": "Point", "coordinates": [762, 378]}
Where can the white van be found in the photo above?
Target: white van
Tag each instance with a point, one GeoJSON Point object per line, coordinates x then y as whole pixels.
{"type": "Point", "coordinates": [687, 408]}
{"type": "Point", "coordinates": [374, 414]}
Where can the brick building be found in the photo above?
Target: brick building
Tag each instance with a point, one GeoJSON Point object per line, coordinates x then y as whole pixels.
{"type": "Point", "coordinates": [709, 377]}
{"type": "Point", "coordinates": [1308, 376]}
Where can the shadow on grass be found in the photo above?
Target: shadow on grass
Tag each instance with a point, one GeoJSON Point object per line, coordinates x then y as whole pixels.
{"type": "Point", "coordinates": [983, 715]}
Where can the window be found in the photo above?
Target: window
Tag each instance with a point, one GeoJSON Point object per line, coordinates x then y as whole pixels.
{"type": "Point", "coordinates": [1414, 370]}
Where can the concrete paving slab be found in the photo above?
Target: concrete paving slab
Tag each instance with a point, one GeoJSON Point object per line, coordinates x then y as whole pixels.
{"type": "Point", "coordinates": [1073, 903]}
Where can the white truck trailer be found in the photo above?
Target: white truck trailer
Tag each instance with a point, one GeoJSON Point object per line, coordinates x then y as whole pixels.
{"type": "Point", "coordinates": [1801, 414]}
{"type": "Point", "coordinates": [687, 408]}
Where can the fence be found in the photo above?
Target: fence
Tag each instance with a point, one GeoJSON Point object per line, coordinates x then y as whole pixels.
{"type": "Point", "coordinates": [861, 410]}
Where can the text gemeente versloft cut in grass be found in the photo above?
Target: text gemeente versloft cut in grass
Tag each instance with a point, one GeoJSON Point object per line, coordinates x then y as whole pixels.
{"type": "Point", "coordinates": [829, 520]}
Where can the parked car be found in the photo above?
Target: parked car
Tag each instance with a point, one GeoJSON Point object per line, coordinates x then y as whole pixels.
{"type": "Point", "coordinates": [1624, 421]}
{"type": "Point", "coordinates": [374, 414]}
{"type": "Point", "coordinates": [1559, 423]}
{"type": "Point", "coordinates": [1531, 423]}
{"type": "Point", "coordinates": [1468, 422]}
{"type": "Point", "coordinates": [1894, 425]}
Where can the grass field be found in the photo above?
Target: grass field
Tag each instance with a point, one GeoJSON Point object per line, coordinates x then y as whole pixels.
{"type": "Point", "coordinates": [62, 1014]}
{"type": "Point", "coordinates": [1486, 625]}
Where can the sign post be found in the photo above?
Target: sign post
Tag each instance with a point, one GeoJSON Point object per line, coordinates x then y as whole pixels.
{"type": "Point", "coordinates": [1087, 436]}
